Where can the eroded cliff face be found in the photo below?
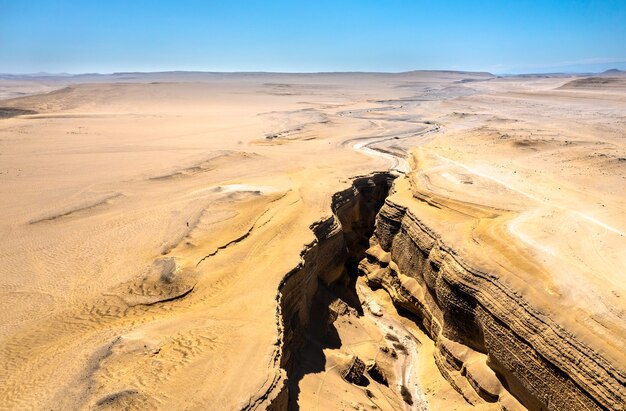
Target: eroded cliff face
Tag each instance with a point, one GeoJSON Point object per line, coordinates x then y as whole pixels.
{"type": "Point", "coordinates": [492, 345]}
{"type": "Point", "coordinates": [341, 241]}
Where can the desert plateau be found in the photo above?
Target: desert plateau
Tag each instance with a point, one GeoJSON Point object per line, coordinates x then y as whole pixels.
{"type": "Point", "coordinates": [422, 240]}
{"type": "Point", "coordinates": [313, 205]}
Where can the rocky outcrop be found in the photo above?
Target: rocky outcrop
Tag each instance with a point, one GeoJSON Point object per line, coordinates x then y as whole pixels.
{"type": "Point", "coordinates": [492, 345]}
{"type": "Point", "coordinates": [353, 373]}
{"type": "Point", "coordinates": [340, 243]}
{"type": "Point", "coordinates": [337, 244]}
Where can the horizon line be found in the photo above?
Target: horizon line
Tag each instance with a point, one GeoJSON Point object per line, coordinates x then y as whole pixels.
{"type": "Point", "coordinates": [68, 74]}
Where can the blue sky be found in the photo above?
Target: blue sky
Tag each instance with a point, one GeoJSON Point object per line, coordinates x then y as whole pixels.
{"type": "Point", "coordinates": [308, 36]}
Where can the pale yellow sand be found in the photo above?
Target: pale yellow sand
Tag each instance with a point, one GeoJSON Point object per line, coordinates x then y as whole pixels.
{"type": "Point", "coordinates": [146, 226]}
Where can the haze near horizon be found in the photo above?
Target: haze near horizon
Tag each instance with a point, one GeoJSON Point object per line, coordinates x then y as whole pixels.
{"type": "Point", "coordinates": [282, 36]}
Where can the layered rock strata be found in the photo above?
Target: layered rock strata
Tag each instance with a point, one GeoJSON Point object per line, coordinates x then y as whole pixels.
{"type": "Point", "coordinates": [492, 345]}
{"type": "Point", "coordinates": [341, 241]}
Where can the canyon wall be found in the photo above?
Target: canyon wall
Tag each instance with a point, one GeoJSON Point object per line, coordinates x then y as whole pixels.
{"type": "Point", "coordinates": [340, 243]}
{"type": "Point", "coordinates": [492, 345]}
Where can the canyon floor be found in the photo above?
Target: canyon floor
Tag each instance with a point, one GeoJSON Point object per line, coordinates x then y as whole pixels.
{"type": "Point", "coordinates": [159, 240]}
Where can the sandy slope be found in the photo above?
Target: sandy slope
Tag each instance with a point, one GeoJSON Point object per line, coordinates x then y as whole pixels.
{"type": "Point", "coordinates": [146, 224]}
{"type": "Point", "coordinates": [557, 160]}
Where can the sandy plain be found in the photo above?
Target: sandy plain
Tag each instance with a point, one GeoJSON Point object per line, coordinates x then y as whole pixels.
{"type": "Point", "coordinates": [149, 219]}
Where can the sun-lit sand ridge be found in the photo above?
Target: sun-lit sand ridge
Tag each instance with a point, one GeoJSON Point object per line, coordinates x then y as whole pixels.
{"type": "Point", "coordinates": [152, 223]}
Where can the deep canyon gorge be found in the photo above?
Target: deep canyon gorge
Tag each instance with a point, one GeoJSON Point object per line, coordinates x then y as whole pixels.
{"type": "Point", "coordinates": [419, 241]}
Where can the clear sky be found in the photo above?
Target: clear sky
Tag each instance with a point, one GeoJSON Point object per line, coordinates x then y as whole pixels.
{"type": "Point", "coordinates": [318, 35]}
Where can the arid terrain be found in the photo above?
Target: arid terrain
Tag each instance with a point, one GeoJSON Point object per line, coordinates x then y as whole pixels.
{"type": "Point", "coordinates": [422, 240]}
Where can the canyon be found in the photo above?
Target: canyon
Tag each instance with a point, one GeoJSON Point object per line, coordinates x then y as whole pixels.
{"type": "Point", "coordinates": [421, 240]}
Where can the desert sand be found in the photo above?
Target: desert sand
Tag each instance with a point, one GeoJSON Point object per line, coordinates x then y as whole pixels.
{"type": "Point", "coordinates": [423, 240]}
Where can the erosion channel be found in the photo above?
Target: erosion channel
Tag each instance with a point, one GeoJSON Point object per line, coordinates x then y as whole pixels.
{"type": "Point", "coordinates": [324, 302]}
{"type": "Point", "coordinates": [377, 305]}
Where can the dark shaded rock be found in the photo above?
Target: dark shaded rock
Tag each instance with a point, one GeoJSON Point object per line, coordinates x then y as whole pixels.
{"type": "Point", "coordinates": [354, 372]}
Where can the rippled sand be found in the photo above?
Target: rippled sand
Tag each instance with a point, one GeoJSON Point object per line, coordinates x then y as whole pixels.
{"type": "Point", "coordinates": [148, 221]}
